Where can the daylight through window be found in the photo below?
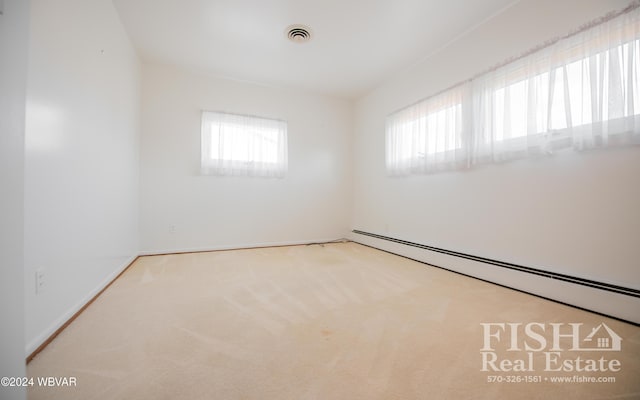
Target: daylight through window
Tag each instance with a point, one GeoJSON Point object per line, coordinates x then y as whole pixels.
{"type": "Point", "coordinates": [581, 92]}
{"type": "Point", "coordinates": [234, 144]}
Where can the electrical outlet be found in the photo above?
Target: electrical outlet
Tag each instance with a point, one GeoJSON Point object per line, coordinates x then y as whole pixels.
{"type": "Point", "coordinates": [40, 282]}
{"type": "Point", "coordinates": [172, 229]}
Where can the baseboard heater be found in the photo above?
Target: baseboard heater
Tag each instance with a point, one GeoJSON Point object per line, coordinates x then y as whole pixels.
{"type": "Point", "coordinates": [551, 275]}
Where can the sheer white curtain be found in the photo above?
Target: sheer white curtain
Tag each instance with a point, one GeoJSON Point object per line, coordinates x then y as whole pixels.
{"type": "Point", "coordinates": [581, 92]}
{"type": "Point", "coordinates": [243, 145]}
{"type": "Point", "coordinates": [428, 136]}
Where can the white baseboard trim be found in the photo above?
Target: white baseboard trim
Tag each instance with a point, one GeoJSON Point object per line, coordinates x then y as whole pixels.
{"type": "Point", "coordinates": [45, 335]}
{"type": "Point", "coordinates": [616, 305]}
{"type": "Point", "coordinates": [158, 252]}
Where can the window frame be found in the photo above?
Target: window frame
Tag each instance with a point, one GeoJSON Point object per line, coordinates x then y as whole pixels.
{"type": "Point", "coordinates": [253, 130]}
{"type": "Point", "coordinates": [454, 98]}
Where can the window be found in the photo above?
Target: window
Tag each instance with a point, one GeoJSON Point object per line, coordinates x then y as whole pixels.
{"type": "Point", "coordinates": [581, 92]}
{"type": "Point", "coordinates": [243, 145]}
{"type": "Point", "coordinates": [426, 135]}
{"type": "Point", "coordinates": [600, 88]}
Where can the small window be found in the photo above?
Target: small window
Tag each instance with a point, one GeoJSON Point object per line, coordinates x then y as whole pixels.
{"type": "Point", "coordinates": [426, 135]}
{"type": "Point", "coordinates": [526, 107]}
{"type": "Point", "coordinates": [243, 145]}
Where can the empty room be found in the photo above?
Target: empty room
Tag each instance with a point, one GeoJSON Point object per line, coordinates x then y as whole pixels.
{"type": "Point", "coordinates": [293, 199]}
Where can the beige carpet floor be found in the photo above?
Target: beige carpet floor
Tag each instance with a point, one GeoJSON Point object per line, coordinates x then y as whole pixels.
{"type": "Point", "coordinates": [339, 321]}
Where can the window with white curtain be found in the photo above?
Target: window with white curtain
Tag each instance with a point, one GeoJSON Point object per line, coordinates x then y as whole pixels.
{"type": "Point", "coordinates": [581, 92]}
{"type": "Point", "coordinates": [427, 135]}
{"type": "Point", "coordinates": [243, 145]}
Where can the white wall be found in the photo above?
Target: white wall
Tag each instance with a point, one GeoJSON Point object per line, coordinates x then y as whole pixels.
{"type": "Point", "coordinates": [571, 213]}
{"type": "Point", "coordinates": [14, 30]}
{"type": "Point", "coordinates": [312, 203]}
{"type": "Point", "coordinates": [81, 171]}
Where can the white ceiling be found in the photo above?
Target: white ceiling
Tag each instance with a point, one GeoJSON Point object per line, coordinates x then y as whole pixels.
{"type": "Point", "coordinates": [356, 43]}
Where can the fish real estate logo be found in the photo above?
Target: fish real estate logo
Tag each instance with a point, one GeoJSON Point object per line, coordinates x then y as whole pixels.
{"type": "Point", "coordinates": [549, 347]}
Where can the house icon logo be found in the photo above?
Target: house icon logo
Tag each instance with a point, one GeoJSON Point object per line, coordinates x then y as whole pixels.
{"type": "Point", "coordinates": [601, 338]}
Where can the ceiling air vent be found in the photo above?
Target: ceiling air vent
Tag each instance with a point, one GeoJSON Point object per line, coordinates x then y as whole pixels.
{"type": "Point", "coordinates": [298, 33]}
